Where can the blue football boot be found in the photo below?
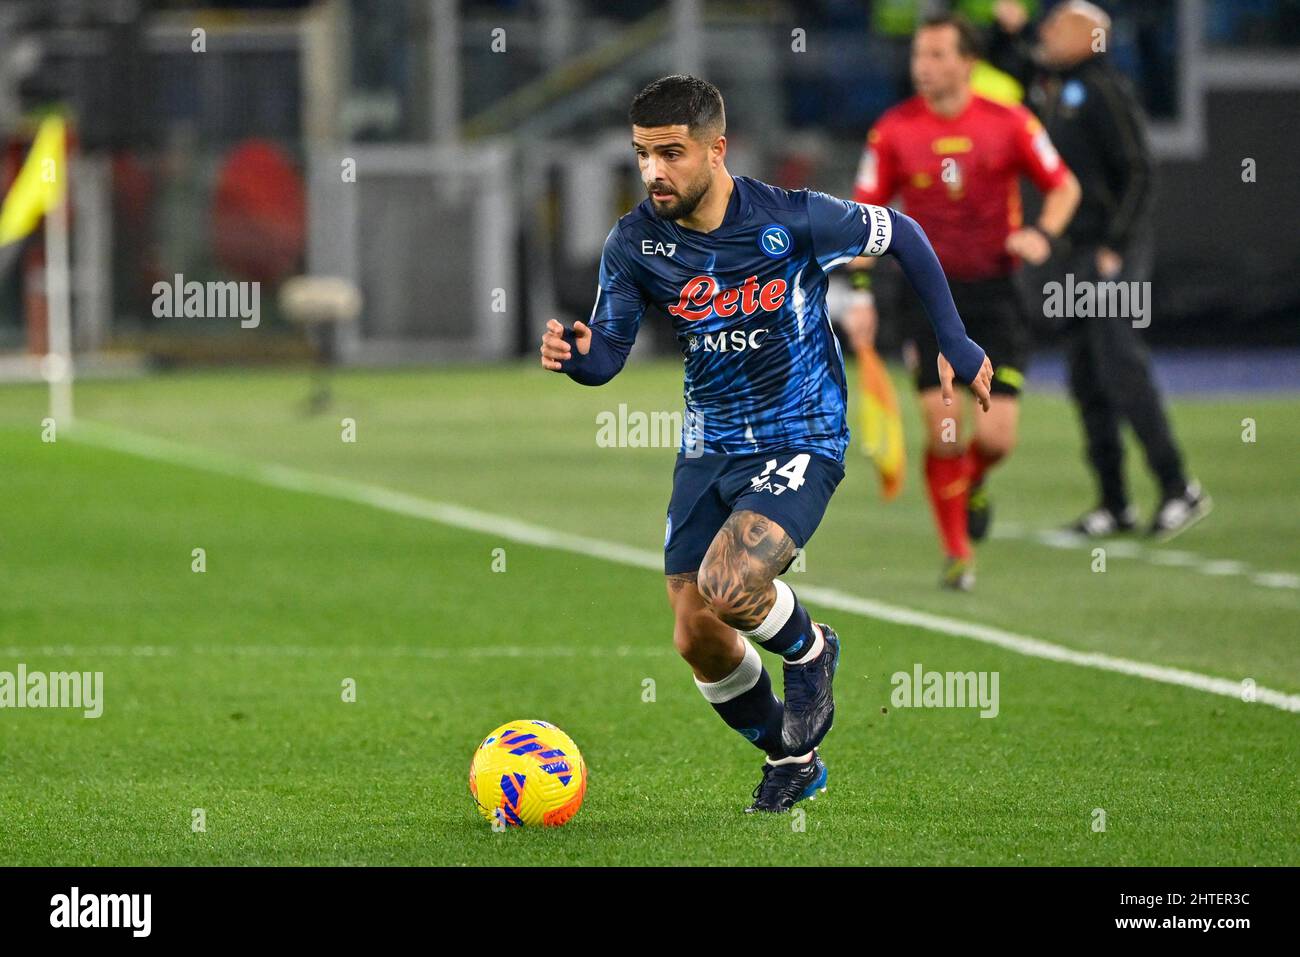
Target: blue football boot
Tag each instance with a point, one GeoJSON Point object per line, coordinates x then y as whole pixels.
{"type": "Point", "coordinates": [785, 784]}
{"type": "Point", "coordinates": [809, 705]}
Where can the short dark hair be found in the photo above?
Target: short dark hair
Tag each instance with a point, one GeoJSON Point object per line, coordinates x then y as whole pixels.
{"type": "Point", "coordinates": [968, 38]}
{"type": "Point", "coordinates": [680, 100]}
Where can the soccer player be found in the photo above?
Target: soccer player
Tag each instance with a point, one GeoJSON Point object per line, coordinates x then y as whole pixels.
{"type": "Point", "coordinates": [956, 159]}
{"type": "Point", "coordinates": [741, 267]}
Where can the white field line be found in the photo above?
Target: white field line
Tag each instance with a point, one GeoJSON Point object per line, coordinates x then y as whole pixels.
{"type": "Point", "coordinates": [326, 651]}
{"type": "Point", "coordinates": [1169, 557]}
{"type": "Point", "coordinates": [284, 477]}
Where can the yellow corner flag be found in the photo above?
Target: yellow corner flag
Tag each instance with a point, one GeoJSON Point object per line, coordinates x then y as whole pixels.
{"type": "Point", "coordinates": [882, 426]}
{"type": "Point", "coordinates": [39, 186]}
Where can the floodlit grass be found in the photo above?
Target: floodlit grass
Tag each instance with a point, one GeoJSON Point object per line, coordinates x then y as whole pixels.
{"type": "Point", "coordinates": [223, 689]}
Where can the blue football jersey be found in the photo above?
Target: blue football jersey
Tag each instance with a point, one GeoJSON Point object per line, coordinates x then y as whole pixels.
{"type": "Point", "coordinates": [764, 372]}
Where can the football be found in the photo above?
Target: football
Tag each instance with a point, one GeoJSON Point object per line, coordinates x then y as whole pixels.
{"type": "Point", "coordinates": [528, 773]}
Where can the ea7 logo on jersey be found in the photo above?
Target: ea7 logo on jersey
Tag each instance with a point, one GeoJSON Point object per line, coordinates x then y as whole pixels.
{"type": "Point", "coordinates": [651, 248]}
{"type": "Point", "coordinates": [700, 298]}
{"type": "Point", "coordinates": [880, 230]}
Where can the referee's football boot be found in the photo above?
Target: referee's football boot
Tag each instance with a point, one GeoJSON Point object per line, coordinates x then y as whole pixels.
{"type": "Point", "coordinates": [784, 785]}
{"type": "Point", "coordinates": [958, 574]}
{"type": "Point", "coordinates": [809, 705]}
{"type": "Point", "coordinates": [1178, 513]}
{"type": "Point", "coordinates": [979, 512]}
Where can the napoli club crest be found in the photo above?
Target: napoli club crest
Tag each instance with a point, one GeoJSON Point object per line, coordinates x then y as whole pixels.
{"type": "Point", "coordinates": [774, 241]}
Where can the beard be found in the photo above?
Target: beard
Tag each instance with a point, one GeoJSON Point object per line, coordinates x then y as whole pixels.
{"type": "Point", "coordinates": [682, 204]}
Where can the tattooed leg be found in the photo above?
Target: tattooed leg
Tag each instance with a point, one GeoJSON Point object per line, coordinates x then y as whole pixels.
{"type": "Point", "coordinates": [736, 577]}
{"type": "Point", "coordinates": [739, 581]}
{"type": "Point", "coordinates": [712, 649]}
{"type": "Point", "coordinates": [728, 670]}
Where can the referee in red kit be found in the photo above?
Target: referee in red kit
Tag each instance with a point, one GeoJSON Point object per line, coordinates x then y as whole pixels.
{"type": "Point", "coordinates": [955, 159]}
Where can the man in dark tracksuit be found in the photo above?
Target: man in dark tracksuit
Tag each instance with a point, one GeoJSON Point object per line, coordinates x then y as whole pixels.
{"type": "Point", "coordinates": [1095, 122]}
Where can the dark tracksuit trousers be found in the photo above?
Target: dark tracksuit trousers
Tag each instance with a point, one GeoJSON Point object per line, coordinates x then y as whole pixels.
{"type": "Point", "coordinates": [1112, 383]}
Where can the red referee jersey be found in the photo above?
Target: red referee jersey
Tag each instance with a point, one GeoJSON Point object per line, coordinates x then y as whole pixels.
{"type": "Point", "coordinates": [958, 177]}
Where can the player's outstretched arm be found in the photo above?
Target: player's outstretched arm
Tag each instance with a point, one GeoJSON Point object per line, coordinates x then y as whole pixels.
{"type": "Point", "coordinates": [960, 356]}
{"type": "Point", "coordinates": [593, 353]}
{"type": "Point", "coordinates": [583, 353]}
{"type": "Point", "coordinates": [556, 349]}
{"type": "Point", "coordinates": [980, 385]}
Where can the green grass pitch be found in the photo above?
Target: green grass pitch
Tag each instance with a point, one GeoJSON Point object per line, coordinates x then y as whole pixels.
{"type": "Point", "coordinates": [223, 689]}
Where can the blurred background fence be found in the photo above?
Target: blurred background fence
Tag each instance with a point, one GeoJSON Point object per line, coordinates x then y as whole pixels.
{"type": "Point", "coordinates": [461, 162]}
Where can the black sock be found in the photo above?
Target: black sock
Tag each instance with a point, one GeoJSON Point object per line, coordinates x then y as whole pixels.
{"type": "Point", "coordinates": [796, 636]}
{"type": "Point", "coordinates": [756, 712]}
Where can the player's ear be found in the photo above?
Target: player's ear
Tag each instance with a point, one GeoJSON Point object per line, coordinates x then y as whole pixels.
{"type": "Point", "coordinates": [718, 151]}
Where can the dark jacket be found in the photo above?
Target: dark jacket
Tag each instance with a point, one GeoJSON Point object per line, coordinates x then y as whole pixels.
{"type": "Point", "coordinates": [1095, 122]}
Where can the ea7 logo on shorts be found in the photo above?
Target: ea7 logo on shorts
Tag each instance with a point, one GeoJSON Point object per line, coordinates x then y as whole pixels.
{"type": "Point", "coordinates": [774, 241]}
{"type": "Point", "coordinates": [651, 248]}
{"type": "Point", "coordinates": [792, 472]}
{"type": "Point", "coordinates": [700, 298]}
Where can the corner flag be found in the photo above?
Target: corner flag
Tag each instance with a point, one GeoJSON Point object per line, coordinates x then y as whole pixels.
{"type": "Point", "coordinates": [882, 426]}
{"type": "Point", "coordinates": [40, 184]}
{"type": "Point", "coordinates": [40, 191]}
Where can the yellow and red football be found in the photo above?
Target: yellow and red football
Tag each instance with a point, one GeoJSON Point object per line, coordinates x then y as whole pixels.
{"type": "Point", "coordinates": [528, 773]}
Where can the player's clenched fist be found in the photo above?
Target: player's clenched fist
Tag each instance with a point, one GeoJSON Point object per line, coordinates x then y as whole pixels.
{"type": "Point", "coordinates": [555, 348]}
{"type": "Point", "coordinates": [981, 385]}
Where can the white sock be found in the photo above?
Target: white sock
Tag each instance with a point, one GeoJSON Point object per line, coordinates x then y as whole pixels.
{"type": "Point", "coordinates": [777, 615]}
{"type": "Point", "coordinates": [793, 759]}
{"type": "Point", "coordinates": [818, 644]}
{"type": "Point", "coordinates": [737, 683]}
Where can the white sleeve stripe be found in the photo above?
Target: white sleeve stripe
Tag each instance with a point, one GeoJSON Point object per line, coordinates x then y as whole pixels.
{"type": "Point", "coordinates": [867, 173]}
